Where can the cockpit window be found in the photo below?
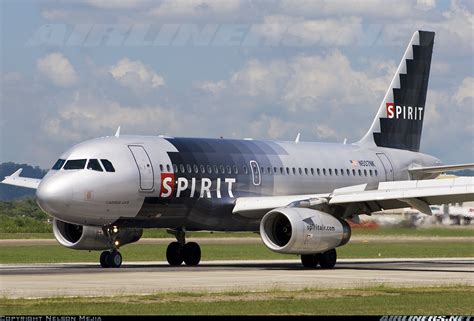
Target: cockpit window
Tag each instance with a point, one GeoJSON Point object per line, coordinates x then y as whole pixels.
{"type": "Point", "coordinates": [107, 165]}
{"type": "Point", "coordinates": [57, 166]}
{"type": "Point", "coordinates": [94, 165]}
{"type": "Point", "coordinates": [75, 164]}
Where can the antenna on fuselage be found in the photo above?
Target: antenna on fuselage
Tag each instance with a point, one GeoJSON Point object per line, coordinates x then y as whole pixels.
{"type": "Point", "coordinates": [117, 133]}
{"type": "Point", "coordinates": [297, 139]}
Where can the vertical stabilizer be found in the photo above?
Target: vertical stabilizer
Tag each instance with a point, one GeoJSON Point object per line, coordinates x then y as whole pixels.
{"type": "Point", "coordinates": [399, 120]}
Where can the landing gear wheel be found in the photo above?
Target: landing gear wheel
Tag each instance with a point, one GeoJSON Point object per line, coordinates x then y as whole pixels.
{"type": "Point", "coordinates": [174, 253]}
{"type": "Point", "coordinates": [328, 259]}
{"type": "Point", "coordinates": [104, 259]}
{"type": "Point", "coordinates": [192, 253]}
{"type": "Point", "coordinates": [114, 259]}
{"type": "Point", "coordinates": [310, 260]}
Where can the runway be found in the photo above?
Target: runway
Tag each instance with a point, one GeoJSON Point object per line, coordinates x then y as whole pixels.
{"type": "Point", "coordinates": [87, 279]}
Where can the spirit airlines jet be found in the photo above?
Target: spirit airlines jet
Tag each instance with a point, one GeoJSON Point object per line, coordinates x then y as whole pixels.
{"type": "Point", "coordinates": [299, 196]}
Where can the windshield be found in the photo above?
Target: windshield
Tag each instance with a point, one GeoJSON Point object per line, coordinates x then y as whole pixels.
{"type": "Point", "coordinates": [75, 164]}
{"type": "Point", "coordinates": [58, 164]}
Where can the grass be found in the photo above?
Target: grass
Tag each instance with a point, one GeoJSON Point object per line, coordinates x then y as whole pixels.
{"type": "Point", "coordinates": [445, 231]}
{"type": "Point", "coordinates": [381, 300]}
{"type": "Point", "coordinates": [156, 252]}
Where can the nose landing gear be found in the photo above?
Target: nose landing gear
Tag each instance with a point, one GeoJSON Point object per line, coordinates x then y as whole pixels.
{"type": "Point", "coordinates": [180, 251]}
{"type": "Point", "coordinates": [111, 258]}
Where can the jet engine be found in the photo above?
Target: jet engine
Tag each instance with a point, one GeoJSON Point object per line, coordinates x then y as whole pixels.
{"type": "Point", "coordinates": [80, 237]}
{"type": "Point", "coordinates": [302, 231]}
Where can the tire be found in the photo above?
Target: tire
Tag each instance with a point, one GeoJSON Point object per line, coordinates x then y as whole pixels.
{"type": "Point", "coordinates": [309, 261]}
{"type": "Point", "coordinates": [328, 259]}
{"type": "Point", "coordinates": [114, 259]}
{"type": "Point", "coordinates": [192, 254]}
{"type": "Point", "coordinates": [174, 254]}
{"type": "Point", "coordinates": [104, 256]}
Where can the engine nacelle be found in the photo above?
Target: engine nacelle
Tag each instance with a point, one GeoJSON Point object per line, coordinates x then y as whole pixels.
{"type": "Point", "coordinates": [81, 237]}
{"type": "Point", "coordinates": [302, 231]}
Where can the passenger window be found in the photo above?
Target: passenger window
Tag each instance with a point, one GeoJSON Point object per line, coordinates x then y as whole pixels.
{"type": "Point", "coordinates": [294, 171]}
{"type": "Point", "coordinates": [269, 170]}
{"type": "Point", "coordinates": [300, 171]}
{"type": "Point", "coordinates": [282, 171]}
{"type": "Point", "coordinates": [196, 168]}
{"type": "Point", "coordinates": [168, 168]}
{"type": "Point", "coordinates": [330, 172]}
{"type": "Point", "coordinates": [376, 173]}
{"type": "Point", "coordinates": [246, 171]}
{"type": "Point", "coordinates": [342, 172]}
{"type": "Point", "coordinates": [94, 165]}
{"type": "Point", "coordinates": [175, 168]}
{"type": "Point", "coordinates": [275, 170]}
{"type": "Point", "coordinates": [360, 172]}
{"type": "Point", "coordinates": [57, 166]}
{"type": "Point", "coordinates": [216, 169]}
{"type": "Point", "coordinates": [107, 165]}
{"type": "Point", "coordinates": [348, 172]}
{"type": "Point", "coordinates": [370, 172]}
{"type": "Point", "coordinates": [203, 169]}
{"type": "Point", "coordinates": [335, 171]}
{"type": "Point", "coordinates": [287, 171]}
{"type": "Point", "coordinates": [312, 171]}
{"type": "Point", "coordinates": [229, 170]}
{"type": "Point", "coordinates": [306, 171]}
{"type": "Point", "coordinates": [353, 172]}
{"type": "Point", "coordinates": [161, 168]}
{"type": "Point", "coordinates": [189, 169]}
{"type": "Point", "coordinates": [75, 164]}
{"type": "Point", "coordinates": [365, 172]}
{"type": "Point", "coordinates": [181, 168]}
{"type": "Point", "coordinates": [318, 171]}
{"type": "Point", "coordinates": [222, 169]}
{"type": "Point", "coordinates": [324, 171]}
{"type": "Point", "coordinates": [209, 169]}
{"type": "Point", "coordinates": [236, 170]}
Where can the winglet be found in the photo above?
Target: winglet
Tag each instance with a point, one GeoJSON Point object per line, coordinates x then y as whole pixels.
{"type": "Point", "coordinates": [297, 139]}
{"type": "Point", "coordinates": [117, 133]}
{"type": "Point", "coordinates": [16, 174]}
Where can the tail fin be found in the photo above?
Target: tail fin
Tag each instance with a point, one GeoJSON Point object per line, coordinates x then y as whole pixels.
{"type": "Point", "coordinates": [399, 121]}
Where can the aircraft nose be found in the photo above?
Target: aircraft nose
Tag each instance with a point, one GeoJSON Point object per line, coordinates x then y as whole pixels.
{"type": "Point", "coordinates": [53, 195]}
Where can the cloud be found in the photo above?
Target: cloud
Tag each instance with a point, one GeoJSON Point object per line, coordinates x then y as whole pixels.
{"type": "Point", "coordinates": [297, 31]}
{"type": "Point", "coordinates": [136, 75]}
{"type": "Point", "coordinates": [465, 91]}
{"type": "Point", "coordinates": [88, 116]}
{"type": "Point", "coordinates": [188, 8]}
{"type": "Point", "coordinates": [305, 82]}
{"type": "Point", "coordinates": [211, 87]}
{"type": "Point", "coordinates": [58, 69]}
{"type": "Point", "coordinates": [116, 4]}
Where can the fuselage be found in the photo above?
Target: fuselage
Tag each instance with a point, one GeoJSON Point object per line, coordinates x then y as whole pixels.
{"type": "Point", "coordinates": [192, 183]}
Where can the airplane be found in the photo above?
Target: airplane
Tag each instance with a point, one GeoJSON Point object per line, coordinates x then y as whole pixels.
{"type": "Point", "coordinates": [299, 196]}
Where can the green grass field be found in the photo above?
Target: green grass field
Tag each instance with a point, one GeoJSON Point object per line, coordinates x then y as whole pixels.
{"type": "Point", "coordinates": [156, 252]}
{"type": "Point", "coordinates": [445, 231]}
{"type": "Point", "coordinates": [452, 300]}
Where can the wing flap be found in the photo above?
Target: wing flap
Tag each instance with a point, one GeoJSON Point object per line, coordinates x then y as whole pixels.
{"type": "Point", "coordinates": [419, 172]}
{"type": "Point", "coordinates": [256, 207]}
{"type": "Point", "coordinates": [16, 180]}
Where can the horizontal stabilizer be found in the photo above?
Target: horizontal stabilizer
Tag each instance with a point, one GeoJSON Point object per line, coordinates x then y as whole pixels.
{"type": "Point", "coordinates": [418, 172]}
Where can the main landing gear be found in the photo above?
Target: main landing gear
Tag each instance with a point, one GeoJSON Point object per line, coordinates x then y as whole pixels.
{"type": "Point", "coordinates": [327, 260]}
{"type": "Point", "coordinates": [111, 258]}
{"type": "Point", "coordinates": [180, 251]}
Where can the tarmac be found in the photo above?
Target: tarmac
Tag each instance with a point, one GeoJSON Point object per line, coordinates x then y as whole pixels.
{"type": "Point", "coordinates": [139, 278]}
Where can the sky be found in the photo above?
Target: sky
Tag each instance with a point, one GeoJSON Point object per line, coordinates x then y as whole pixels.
{"type": "Point", "coordinates": [75, 70]}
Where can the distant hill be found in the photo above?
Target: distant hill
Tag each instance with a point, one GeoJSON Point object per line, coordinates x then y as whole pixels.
{"type": "Point", "coordinates": [464, 172]}
{"type": "Point", "coordinates": [8, 192]}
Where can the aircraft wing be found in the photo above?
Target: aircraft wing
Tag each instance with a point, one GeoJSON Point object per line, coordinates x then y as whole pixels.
{"type": "Point", "coordinates": [357, 199]}
{"type": "Point", "coordinates": [418, 172]}
{"type": "Point", "coordinates": [16, 180]}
